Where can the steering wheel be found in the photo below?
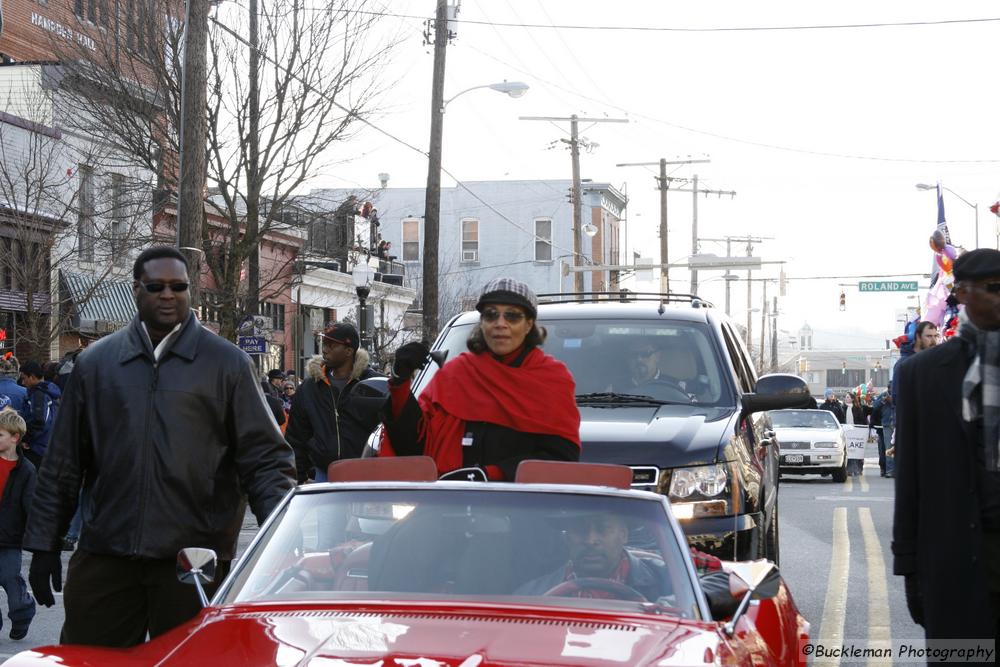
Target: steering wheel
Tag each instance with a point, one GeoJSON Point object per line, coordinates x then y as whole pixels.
{"type": "Point", "coordinates": [665, 389]}
{"type": "Point", "coordinates": [573, 586]}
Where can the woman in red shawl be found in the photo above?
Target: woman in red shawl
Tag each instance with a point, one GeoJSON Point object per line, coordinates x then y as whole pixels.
{"type": "Point", "coordinates": [501, 403]}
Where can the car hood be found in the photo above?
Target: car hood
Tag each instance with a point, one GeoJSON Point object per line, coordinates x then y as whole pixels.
{"type": "Point", "coordinates": [428, 637]}
{"type": "Point", "coordinates": [806, 434]}
{"type": "Point", "coordinates": [666, 436]}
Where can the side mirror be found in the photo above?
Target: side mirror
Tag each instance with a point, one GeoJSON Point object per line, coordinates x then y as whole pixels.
{"type": "Point", "coordinates": [439, 357]}
{"type": "Point", "coordinates": [377, 387]}
{"type": "Point", "coordinates": [197, 566]}
{"type": "Point", "coordinates": [751, 580]}
{"type": "Point", "coordinates": [778, 391]}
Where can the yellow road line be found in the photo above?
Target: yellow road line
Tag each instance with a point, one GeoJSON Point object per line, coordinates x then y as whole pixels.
{"type": "Point", "coordinates": [864, 484]}
{"type": "Point", "coordinates": [879, 627]}
{"type": "Point", "coordinates": [849, 484]}
{"type": "Point", "coordinates": [835, 607]}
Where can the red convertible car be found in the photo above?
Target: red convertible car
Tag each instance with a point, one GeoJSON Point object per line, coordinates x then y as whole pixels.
{"type": "Point", "coordinates": [565, 567]}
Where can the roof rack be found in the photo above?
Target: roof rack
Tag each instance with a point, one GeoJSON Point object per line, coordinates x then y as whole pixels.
{"type": "Point", "coordinates": [625, 297]}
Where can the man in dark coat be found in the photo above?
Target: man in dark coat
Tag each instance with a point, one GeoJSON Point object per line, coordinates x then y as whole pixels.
{"type": "Point", "coordinates": [332, 413]}
{"type": "Point", "coordinates": [833, 405]}
{"type": "Point", "coordinates": [946, 527]}
{"type": "Point", "coordinates": [164, 426]}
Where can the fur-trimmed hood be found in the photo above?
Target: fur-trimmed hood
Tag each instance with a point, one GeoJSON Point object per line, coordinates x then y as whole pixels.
{"type": "Point", "coordinates": [314, 367]}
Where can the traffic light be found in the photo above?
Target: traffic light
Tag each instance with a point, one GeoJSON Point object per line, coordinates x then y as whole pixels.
{"type": "Point", "coordinates": [843, 301]}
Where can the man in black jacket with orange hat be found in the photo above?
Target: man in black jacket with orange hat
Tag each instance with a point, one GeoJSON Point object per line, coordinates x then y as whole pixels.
{"type": "Point", "coordinates": [946, 528]}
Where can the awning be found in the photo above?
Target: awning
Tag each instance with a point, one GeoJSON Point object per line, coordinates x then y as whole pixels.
{"type": "Point", "coordinates": [98, 306]}
{"type": "Point", "coordinates": [18, 301]}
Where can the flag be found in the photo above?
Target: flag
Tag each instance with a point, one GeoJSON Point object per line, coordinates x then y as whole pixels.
{"type": "Point", "coordinates": [942, 224]}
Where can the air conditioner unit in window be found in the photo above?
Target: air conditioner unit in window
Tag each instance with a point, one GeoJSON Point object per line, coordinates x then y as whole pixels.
{"type": "Point", "coordinates": [470, 255]}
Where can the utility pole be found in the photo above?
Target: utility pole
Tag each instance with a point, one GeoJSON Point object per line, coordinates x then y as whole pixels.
{"type": "Point", "coordinates": [663, 184]}
{"type": "Point", "coordinates": [728, 276]}
{"type": "Point", "coordinates": [774, 336]}
{"type": "Point", "coordinates": [574, 151]}
{"type": "Point", "coordinates": [193, 130]}
{"type": "Point", "coordinates": [253, 166]}
{"type": "Point", "coordinates": [694, 231]}
{"type": "Point", "coordinates": [763, 326]}
{"type": "Point", "coordinates": [432, 202]}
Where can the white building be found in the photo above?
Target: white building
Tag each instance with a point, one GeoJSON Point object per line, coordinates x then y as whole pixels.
{"type": "Point", "coordinates": [521, 229]}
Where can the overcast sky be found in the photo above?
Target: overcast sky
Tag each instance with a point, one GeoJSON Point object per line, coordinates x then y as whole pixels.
{"type": "Point", "coordinates": [822, 133]}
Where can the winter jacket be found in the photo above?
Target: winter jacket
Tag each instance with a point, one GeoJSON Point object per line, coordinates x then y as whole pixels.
{"type": "Point", "coordinates": [40, 414]}
{"type": "Point", "coordinates": [836, 407]}
{"type": "Point", "coordinates": [15, 502]}
{"type": "Point", "coordinates": [12, 394]}
{"type": "Point", "coordinates": [167, 451]}
{"type": "Point", "coordinates": [325, 425]}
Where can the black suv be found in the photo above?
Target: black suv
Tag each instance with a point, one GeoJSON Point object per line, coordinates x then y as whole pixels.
{"type": "Point", "coordinates": [668, 389]}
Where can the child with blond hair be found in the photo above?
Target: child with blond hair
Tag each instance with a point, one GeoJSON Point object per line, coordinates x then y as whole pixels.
{"type": "Point", "coordinates": [17, 485]}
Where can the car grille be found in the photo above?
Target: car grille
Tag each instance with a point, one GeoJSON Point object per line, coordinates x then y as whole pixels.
{"type": "Point", "coordinates": [795, 445]}
{"type": "Point", "coordinates": [645, 477]}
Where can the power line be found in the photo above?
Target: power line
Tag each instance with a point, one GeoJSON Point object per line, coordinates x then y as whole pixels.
{"type": "Point", "coordinates": [641, 28]}
{"type": "Point", "coordinates": [354, 114]}
{"type": "Point", "coordinates": [723, 137]}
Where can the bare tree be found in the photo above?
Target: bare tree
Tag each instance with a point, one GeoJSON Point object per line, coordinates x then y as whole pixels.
{"type": "Point", "coordinates": [65, 205]}
{"type": "Point", "coordinates": [318, 69]}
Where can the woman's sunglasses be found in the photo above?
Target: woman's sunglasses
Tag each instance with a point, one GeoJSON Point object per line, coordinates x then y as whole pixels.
{"type": "Point", "coordinates": [156, 288]}
{"type": "Point", "coordinates": [492, 315]}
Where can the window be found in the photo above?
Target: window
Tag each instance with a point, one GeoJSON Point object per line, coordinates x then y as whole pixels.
{"type": "Point", "coordinates": [411, 240]}
{"type": "Point", "coordinates": [470, 240]}
{"type": "Point", "coordinates": [276, 313]}
{"type": "Point", "coordinates": [85, 226]}
{"type": "Point", "coordinates": [118, 219]}
{"type": "Point", "coordinates": [543, 240]}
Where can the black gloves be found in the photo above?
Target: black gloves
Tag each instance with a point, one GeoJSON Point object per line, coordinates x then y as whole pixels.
{"type": "Point", "coordinates": [914, 599]}
{"type": "Point", "coordinates": [409, 358]}
{"type": "Point", "coordinates": [45, 565]}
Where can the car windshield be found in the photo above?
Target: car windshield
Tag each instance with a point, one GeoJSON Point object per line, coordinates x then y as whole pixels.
{"type": "Point", "coordinates": [616, 361]}
{"type": "Point", "coordinates": [519, 547]}
{"type": "Point", "coordinates": [804, 419]}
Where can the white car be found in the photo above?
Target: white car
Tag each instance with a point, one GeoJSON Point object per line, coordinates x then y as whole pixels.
{"type": "Point", "coordinates": [810, 442]}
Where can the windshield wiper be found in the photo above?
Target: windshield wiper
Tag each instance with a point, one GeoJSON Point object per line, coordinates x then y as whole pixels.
{"type": "Point", "coordinates": [612, 397]}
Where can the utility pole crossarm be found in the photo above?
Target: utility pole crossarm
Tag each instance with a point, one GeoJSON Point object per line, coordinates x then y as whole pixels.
{"type": "Point", "coordinates": [663, 184]}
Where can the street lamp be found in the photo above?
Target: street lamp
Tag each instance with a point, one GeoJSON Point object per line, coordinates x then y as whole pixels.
{"type": "Point", "coordinates": [975, 207]}
{"type": "Point", "coordinates": [432, 201]}
{"type": "Point", "coordinates": [590, 230]}
{"type": "Point", "coordinates": [362, 275]}
{"type": "Point", "coordinates": [513, 89]}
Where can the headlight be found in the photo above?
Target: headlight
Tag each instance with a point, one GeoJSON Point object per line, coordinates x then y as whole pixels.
{"type": "Point", "coordinates": [708, 481]}
{"type": "Point", "coordinates": [825, 445]}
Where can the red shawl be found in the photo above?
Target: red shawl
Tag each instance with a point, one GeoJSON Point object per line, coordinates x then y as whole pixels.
{"type": "Point", "coordinates": [536, 397]}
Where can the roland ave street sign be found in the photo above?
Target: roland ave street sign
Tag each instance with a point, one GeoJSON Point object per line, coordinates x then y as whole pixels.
{"type": "Point", "coordinates": [887, 286]}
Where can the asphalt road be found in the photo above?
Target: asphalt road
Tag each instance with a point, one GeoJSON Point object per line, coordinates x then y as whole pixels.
{"type": "Point", "coordinates": [835, 556]}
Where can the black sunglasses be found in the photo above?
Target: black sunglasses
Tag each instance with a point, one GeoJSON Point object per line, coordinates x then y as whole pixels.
{"type": "Point", "coordinates": [992, 288]}
{"type": "Point", "coordinates": [492, 315]}
{"type": "Point", "coordinates": [156, 288]}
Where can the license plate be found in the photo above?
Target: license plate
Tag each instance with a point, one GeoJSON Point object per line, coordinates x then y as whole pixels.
{"type": "Point", "coordinates": [794, 458]}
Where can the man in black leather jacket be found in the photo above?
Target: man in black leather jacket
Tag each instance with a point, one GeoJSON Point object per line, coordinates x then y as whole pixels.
{"type": "Point", "coordinates": [164, 426]}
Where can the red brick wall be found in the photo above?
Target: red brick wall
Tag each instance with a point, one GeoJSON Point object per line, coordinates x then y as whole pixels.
{"type": "Point", "coordinates": [34, 30]}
